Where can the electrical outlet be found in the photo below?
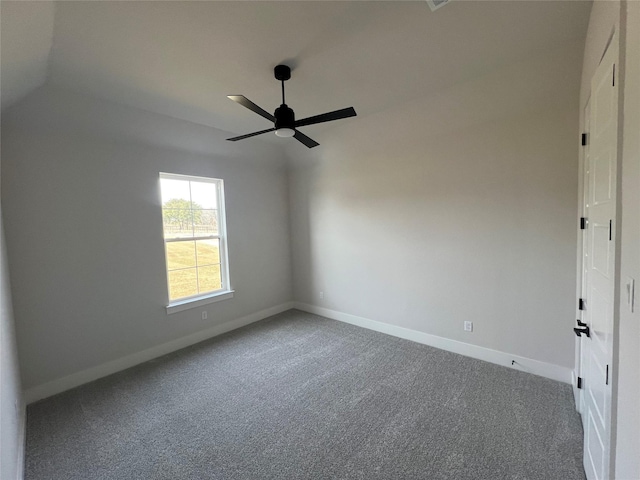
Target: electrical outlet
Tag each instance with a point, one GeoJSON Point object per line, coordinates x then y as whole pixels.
{"type": "Point", "coordinates": [321, 295]}
{"type": "Point", "coordinates": [204, 315]}
{"type": "Point", "coordinates": [468, 326]}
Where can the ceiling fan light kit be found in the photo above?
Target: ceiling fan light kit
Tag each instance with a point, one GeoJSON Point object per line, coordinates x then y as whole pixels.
{"type": "Point", "coordinates": [285, 132]}
{"type": "Point", "coordinates": [284, 120]}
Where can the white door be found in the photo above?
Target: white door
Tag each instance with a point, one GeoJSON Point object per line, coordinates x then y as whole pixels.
{"type": "Point", "coordinates": [597, 349]}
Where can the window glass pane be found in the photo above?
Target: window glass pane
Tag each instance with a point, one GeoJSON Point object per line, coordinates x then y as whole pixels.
{"type": "Point", "coordinates": [174, 190]}
{"type": "Point", "coordinates": [208, 252]}
{"type": "Point", "coordinates": [206, 222]}
{"type": "Point", "coordinates": [183, 283]}
{"type": "Point", "coordinates": [209, 278]}
{"type": "Point", "coordinates": [204, 195]}
{"type": "Point", "coordinates": [181, 254]}
{"type": "Point", "coordinates": [177, 222]}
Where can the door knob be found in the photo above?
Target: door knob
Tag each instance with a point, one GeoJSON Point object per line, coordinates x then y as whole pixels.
{"type": "Point", "coordinates": [580, 331]}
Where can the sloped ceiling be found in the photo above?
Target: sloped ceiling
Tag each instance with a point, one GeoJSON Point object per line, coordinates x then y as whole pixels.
{"type": "Point", "coordinates": [182, 58]}
{"type": "Point", "coordinates": [26, 34]}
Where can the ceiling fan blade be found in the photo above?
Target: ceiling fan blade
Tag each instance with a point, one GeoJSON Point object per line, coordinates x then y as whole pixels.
{"type": "Point", "coordinates": [245, 102]}
{"type": "Point", "coordinates": [249, 135]}
{"type": "Point", "coordinates": [327, 117]}
{"type": "Point", "coordinates": [302, 138]}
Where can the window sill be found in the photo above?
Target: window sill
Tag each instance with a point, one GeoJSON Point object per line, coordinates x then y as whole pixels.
{"type": "Point", "coordinates": [198, 302]}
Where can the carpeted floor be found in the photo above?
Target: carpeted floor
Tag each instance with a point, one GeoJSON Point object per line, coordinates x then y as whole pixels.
{"type": "Point", "coordinates": [298, 396]}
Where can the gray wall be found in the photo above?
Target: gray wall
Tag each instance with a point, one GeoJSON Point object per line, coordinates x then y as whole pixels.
{"type": "Point", "coordinates": [458, 206]}
{"type": "Point", "coordinates": [81, 200]}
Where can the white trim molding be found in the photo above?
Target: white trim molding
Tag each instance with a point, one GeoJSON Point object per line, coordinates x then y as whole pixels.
{"type": "Point", "coordinates": [22, 443]}
{"type": "Point", "coordinates": [536, 367]}
{"type": "Point", "coordinates": [79, 378]}
{"type": "Point", "coordinates": [199, 301]}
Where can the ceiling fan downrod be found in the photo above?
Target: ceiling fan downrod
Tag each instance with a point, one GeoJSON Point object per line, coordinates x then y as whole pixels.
{"type": "Point", "coordinates": [285, 118]}
{"type": "Point", "coordinates": [282, 73]}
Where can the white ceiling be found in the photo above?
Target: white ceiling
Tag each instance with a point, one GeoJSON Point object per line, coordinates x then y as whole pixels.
{"type": "Point", "coordinates": [182, 58]}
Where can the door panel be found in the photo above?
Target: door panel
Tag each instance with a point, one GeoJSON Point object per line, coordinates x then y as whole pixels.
{"type": "Point", "coordinates": [602, 179]}
{"type": "Point", "coordinates": [597, 394]}
{"type": "Point", "coordinates": [594, 457]}
{"type": "Point", "coordinates": [600, 252]}
{"type": "Point", "coordinates": [605, 108]}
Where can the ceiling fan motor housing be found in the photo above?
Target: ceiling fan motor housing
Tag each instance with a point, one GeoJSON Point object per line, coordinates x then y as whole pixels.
{"type": "Point", "coordinates": [282, 73]}
{"type": "Point", "coordinates": [284, 117]}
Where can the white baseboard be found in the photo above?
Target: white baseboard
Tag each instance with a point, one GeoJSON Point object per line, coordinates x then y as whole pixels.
{"type": "Point", "coordinates": [536, 367]}
{"type": "Point", "coordinates": [22, 442]}
{"type": "Point", "coordinates": [76, 379]}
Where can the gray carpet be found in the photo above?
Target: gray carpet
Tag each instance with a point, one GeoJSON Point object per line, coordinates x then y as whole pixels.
{"type": "Point", "coordinates": [298, 396]}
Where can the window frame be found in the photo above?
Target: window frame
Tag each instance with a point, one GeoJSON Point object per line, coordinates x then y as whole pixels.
{"type": "Point", "coordinates": [226, 291]}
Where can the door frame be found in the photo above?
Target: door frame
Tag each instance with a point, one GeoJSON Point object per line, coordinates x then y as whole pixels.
{"type": "Point", "coordinates": [583, 195]}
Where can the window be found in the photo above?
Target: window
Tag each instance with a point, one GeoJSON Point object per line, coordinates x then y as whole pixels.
{"type": "Point", "coordinates": [194, 240]}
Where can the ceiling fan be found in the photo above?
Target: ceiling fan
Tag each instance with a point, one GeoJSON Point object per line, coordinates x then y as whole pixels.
{"type": "Point", "coordinates": [285, 124]}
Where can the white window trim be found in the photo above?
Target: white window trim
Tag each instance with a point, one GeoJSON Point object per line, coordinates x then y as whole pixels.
{"type": "Point", "coordinates": [194, 302]}
{"type": "Point", "coordinates": [219, 295]}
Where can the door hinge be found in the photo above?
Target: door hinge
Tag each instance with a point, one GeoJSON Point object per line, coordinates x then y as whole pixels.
{"type": "Point", "coordinates": [583, 139]}
{"type": "Point", "coordinates": [583, 223]}
{"type": "Point", "coordinates": [579, 383]}
{"type": "Point", "coordinates": [581, 304]}
{"type": "Point", "coordinates": [606, 382]}
{"type": "Point", "coordinates": [610, 222]}
{"type": "Point", "coordinates": [613, 80]}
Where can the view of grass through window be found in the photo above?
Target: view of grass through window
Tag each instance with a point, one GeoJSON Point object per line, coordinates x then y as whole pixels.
{"type": "Point", "coordinates": [192, 237]}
